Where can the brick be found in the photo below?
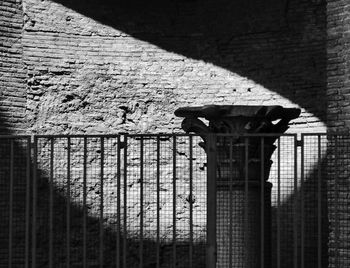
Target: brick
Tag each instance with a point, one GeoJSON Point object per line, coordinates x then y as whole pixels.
{"type": "Point", "coordinates": [12, 71]}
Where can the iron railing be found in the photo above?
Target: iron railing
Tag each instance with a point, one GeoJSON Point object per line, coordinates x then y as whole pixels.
{"type": "Point", "coordinates": [172, 200]}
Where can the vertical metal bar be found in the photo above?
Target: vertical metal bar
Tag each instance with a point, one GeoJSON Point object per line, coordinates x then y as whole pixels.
{"type": "Point", "coordinates": [118, 203]}
{"type": "Point", "coordinates": [246, 178]}
{"type": "Point", "coordinates": [141, 202]}
{"type": "Point", "coordinates": [262, 202]}
{"type": "Point", "coordinates": [51, 203]}
{"type": "Point", "coordinates": [337, 223]}
{"type": "Point", "coordinates": [158, 201]}
{"type": "Point", "coordinates": [174, 201]}
{"type": "Point", "coordinates": [10, 233]}
{"type": "Point", "coordinates": [191, 201]}
{"type": "Point", "coordinates": [295, 209]}
{"type": "Point", "coordinates": [27, 203]}
{"type": "Point", "coordinates": [211, 201]}
{"type": "Point", "coordinates": [125, 201]}
{"type": "Point", "coordinates": [302, 195]}
{"type": "Point", "coordinates": [102, 147]}
{"type": "Point", "coordinates": [84, 204]}
{"type": "Point", "coordinates": [68, 215]}
{"type": "Point", "coordinates": [231, 204]}
{"type": "Point", "coordinates": [34, 199]}
{"type": "Point", "coordinates": [279, 203]}
{"type": "Point", "coordinates": [319, 206]}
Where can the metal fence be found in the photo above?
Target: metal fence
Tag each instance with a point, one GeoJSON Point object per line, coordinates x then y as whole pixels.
{"type": "Point", "coordinates": [173, 200]}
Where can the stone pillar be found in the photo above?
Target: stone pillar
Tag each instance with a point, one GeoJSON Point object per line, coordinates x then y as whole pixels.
{"type": "Point", "coordinates": [241, 176]}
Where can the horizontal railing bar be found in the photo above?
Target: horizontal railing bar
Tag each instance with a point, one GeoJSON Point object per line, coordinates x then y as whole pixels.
{"type": "Point", "coordinates": [316, 134]}
{"type": "Point", "coordinates": [113, 135]}
{"type": "Point", "coordinates": [340, 133]}
{"type": "Point", "coordinates": [136, 136]}
{"type": "Point", "coordinates": [145, 135]}
{"type": "Point", "coordinates": [15, 136]}
{"type": "Point", "coordinates": [150, 135]}
{"type": "Point", "coordinates": [218, 134]}
{"type": "Point", "coordinates": [328, 135]}
{"type": "Point", "coordinates": [255, 134]}
{"type": "Point", "coordinates": [161, 135]}
{"type": "Point", "coordinates": [78, 136]}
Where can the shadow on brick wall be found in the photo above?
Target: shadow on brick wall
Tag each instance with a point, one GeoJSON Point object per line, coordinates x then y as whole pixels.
{"type": "Point", "coordinates": [60, 204]}
{"type": "Point", "coordinates": [93, 238]}
{"type": "Point", "coordinates": [17, 230]}
{"type": "Point", "coordinates": [291, 223]}
{"type": "Point", "coordinates": [278, 44]}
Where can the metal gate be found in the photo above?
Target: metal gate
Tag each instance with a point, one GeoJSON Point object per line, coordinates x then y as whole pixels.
{"type": "Point", "coordinates": [172, 200]}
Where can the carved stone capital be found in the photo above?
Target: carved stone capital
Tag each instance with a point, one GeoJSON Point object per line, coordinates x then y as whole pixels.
{"type": "Point", "coordinates": [239, 120]}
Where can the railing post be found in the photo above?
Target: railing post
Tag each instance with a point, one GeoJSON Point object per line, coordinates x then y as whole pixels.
{"type": "Point", "coordinates": [28, 200]}
{"type": "Point", "coordinates": [34, 200]}
{"type": "Point", "coordinates": [211, 201]}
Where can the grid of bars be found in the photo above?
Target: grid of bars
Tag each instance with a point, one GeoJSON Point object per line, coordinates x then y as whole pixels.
{"type": "Point", "coordinates": [251, 227]}
{"type": "Point", "coordinates": [14, 197]}
{"type": "Point", "coordinates": [121, 201]}
{"type": "Point", "coordinates": [144, 201]}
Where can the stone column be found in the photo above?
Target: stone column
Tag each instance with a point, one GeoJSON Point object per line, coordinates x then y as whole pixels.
{"type": "Point", "coordinates": [239, 178]}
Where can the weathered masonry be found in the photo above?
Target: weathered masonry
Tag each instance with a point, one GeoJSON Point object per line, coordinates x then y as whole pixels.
{"type": "Point", "coordinates": [97, 67]}
{"type": "Point", "coordinates": [103, 67]}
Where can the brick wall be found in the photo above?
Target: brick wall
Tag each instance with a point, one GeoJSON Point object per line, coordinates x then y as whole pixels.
{"type": "Point", "coordinates": [97, 67]}
{"type": "Point", "coordinates": [338, 86]}
{"type": "Point", "coordinates": [102, 67]}
{"type": "Point", "coordinates": [108, 68]}
{"type": "Point", "coordinates": [338, 47]}
{"type": "Point", "coordinates": [12, 115]}
{"type": "Point", "coordinates": [12, 71]}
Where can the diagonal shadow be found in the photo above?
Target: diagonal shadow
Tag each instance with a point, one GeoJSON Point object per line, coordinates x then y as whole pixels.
{"type": "Point", "coordinates": [290, 222]}
{"type": "Point", "coordinates": [45, 194]}
{"type": "Point", "coordinates": [278, 44]}
{"type": "Point", "coordinates": [59, 228]}
{"type": "Point", "coordinates": [278, 51]}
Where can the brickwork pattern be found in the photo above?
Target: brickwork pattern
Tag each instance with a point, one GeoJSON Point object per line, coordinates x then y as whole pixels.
{"type": "Point", "coordinates": [86, 76]}
{"type": "Point", "coordinates": [12, 71]}
{"type": "Point", "coordinates": [77, 68]}
{"type": "Point", "coordinates": [338, 88]}
{"type": "Point", "coordinates": [338, 70]}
